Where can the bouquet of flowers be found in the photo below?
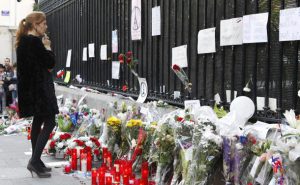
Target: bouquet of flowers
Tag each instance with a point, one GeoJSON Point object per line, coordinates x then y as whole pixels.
{"type": "Point", "coordinates": [64, 122]}
{"type": "Point", "coordinates": [205, 152]}
{"type": "Point", "coordinates": [164, 144]}
{"type": "Point", "coordinates": [131, 63]}
{"type": "Point", "coordinates": [113, 133]}
{"type": "Point", "coordinates": [183, 77]}
{"type": "Point", "coordinates": [58, 141]}
{"type": "Point", "coordinates": [88, 144]}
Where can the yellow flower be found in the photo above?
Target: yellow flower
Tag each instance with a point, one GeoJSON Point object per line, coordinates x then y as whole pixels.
{"type": "Point", "coordinates": [134, 122]}
{"type": "Point", "coordinates": [113, 121]}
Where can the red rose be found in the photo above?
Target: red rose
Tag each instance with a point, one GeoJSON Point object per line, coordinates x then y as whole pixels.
{"type": "Point", "coordinates": [67, 136]}
{"type": "Point", "coordinates": [52, 144]}
{"type": "Point", "coordinates": [62, 137]}
{"type": "Point", "coordinates": [121, 58]}
{"type": "Point", "coordinates": [129, 54]}
{"type": "Point", "coordinates": [51, 135]}
{"type": "Point", "coordinates": [87, 149]}
{"type": "Point", "coordinates": [129, 60]}
{"type": "Point", "coordinates": [96, 152]}
{"type": "Point", "coordinates": [179, 119]}
{"type": "Point", "coordinates": [79, 143]}
{"type": "Point", "coordinates": [176, 67]}
{"type": "Point", "coordinates": [124, 88]}
{"type": "Point", "coordinates": [86, 113]}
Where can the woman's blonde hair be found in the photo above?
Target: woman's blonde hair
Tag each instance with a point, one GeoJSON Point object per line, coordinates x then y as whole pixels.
{"type": "Point", "coordinates": [27, 24]}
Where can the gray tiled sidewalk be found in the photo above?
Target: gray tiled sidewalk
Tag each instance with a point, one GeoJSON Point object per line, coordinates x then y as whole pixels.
{"type": "Point", "coordinates": [13, 164]}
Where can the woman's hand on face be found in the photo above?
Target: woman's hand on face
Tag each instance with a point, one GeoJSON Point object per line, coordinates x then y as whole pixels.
{"type": "Point", "coordinates": [46, 42]}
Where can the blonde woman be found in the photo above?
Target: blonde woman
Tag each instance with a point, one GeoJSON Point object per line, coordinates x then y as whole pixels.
{"type": "Point", "coordinates": [36, 94]}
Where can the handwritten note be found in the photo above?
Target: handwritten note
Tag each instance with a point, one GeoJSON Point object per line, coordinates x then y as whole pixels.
{"type": "Point", "coordinates": [84, 54]}
{"type": "Point", "coordinates": [68, 63]}
{"type": "Point", "coordinates": [115, 70]}
{"type": "Point", "coordinates": [176, 94]}
{"type": "Point", "coordinates": [179, 56]}
{"type": "Point", "coordinates": [115, 41]}
{"type": "Point", "coordinates": [68, 76]}
{"type": "Point", "coordinates": [156, 22]}
{"type": "Point", "coordinates": [289, 24]}
{"type": "Point", "coordinates": [207, 41]}
{"type": "Point", "coordinates": [255, 28]}
{"type": "Point", "coordinates": [231, 32]}
{"type": "Point", "coordinates": [103, 52]}
{"type": "Point", "coordinates": [192, 105]}
{"type": "Point", "coordinates": [143, 90]}
{"type": "Point", "coordinates": [136, 20]}
{"type": "Point", "coordinates": [92, 50]}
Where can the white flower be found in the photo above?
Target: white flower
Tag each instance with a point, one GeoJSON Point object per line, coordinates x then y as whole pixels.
{"type": "Point", "coordinates": [60, 145]}
{"type": "Point", "coordinates": [133, 143]}
{"type": "Point", "coordinates": [72, 145]}
{"type": "Point", "coordinates": [129, 108]}
{"type": "Point", "coordinates": [56, 136]}
{"type": "Point", "coordinates": [89, 143]}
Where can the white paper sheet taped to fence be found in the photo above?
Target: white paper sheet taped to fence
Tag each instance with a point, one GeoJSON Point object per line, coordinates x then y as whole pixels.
{"type": "Point", "coordinates": [92, 50]}
{"type": "Point", "coordinates": [156, 22]}
{"type": "Point", "coordinates": [289, 24]}
{"type": "Point", "coordinates": [231, 32]}
{"type": "Point", "coordinates": [179, 56]}
{"type": "Point", "coordinates": [69, 55]}
{"type": "Point", "coordinates": [115, 70]}
{"type": "Point", "coordinates": [115, 41]}
{"type": "Point", "coordinates": [207, 41]}
{"type": "Point", "coordinates": [136, 20]}
{"type": "Point", "coordinates": [84, 54]}
{"type": "Point", "coordinates": [255, 28]}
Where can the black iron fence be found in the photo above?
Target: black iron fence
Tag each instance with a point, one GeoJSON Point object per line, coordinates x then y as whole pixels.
{"type": "Point", "coordinates": [272, 67]}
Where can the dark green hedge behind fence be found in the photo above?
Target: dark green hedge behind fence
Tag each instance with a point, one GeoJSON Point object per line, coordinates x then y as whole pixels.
{"type": "Point", "coordinates": [273, 66]}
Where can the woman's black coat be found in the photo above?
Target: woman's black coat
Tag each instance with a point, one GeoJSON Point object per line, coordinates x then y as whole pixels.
{"type": "Point", "coordinates": [36, 94]}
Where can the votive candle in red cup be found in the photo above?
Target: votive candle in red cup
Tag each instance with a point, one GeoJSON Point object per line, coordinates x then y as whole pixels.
{"type": "Point", "coordinates": [117, 178]}
{"type": "Point", "coordinates": [125, 180]}
{"type": "Point", "coordinates": [74, 159]}
{"type": "Point", "coordinates": [68, 168]}
{"type": "Point", "coordinates": [94, 176]}
{"type": "Point", "coordinates": [89, 161]}
{"type": "Point", "coordinates": [108, 180]}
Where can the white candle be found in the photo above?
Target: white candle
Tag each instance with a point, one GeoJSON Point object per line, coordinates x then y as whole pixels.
{"type": "Point", "coordinates": [83, 165]}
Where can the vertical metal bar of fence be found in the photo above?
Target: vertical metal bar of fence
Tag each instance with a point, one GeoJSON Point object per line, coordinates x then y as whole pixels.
{"type": "Point", "coordinates": [267, 62]}
{"type": "Point", "coordinates": [244, 55]}
{"type": "Point", "coordinates": [166, 43]}
{"type": "Point", "coordinates": [193, 50]}
{"type": "Point", "coordinates": [204, 57]}
{"type": "Point", "coordinates": [254, 69]}
{"type": "Point", "coordinates": [281, 46]}
{"type": "Point", "coordinates": [223, 95]}
{"type": "Point", "coordinates": [295, 83]}
{"type": "Point", "coordinates": [233, 61]}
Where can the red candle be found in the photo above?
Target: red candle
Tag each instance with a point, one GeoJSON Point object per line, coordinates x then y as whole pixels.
{"type": "Point", "coordinates": [81, 151]}
{"type": "Point", "coordinates": [125, 180]}
{"type": "Point", "coordinates": [101, 176]}
{"type": "Point", "coordinates": [68, 168]}
{"type": "Point", "coordinates": [108, 180]}
{"type": "Point", "coordinates": [145, 173]}
{"type": "Point", "coordinates": [74, 159]}
{"type": "Point", "coordinates": [94, 176]}
{"type": "Point", "coordinates": [104, 154]}
{"type": "Point", "coordinates": [89, 161]}
{"type": "Point", "coordinates": [117, 177]}
{"type": "Point", "coordinates": [109, 159]}
{"type": "Point", "coordinates": [117, 165]}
